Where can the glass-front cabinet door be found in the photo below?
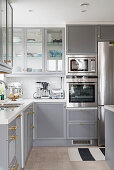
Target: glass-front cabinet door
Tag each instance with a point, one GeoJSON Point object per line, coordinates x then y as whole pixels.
{"type": "Point", "coordinates": [54, 49]}
{"type": "Point", "coordinates": [34, 50]}
{"type": "Point", "coordinates": [9, 35]}
{"type": "Point", "coordinates": [3, 52]}
{"type": "Point", "coordinates": [18, 50]}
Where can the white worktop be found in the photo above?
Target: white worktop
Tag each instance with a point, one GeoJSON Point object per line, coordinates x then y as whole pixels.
{"type": "Point", "coordinates": [109, 107]}
{"type": "Point", "coordinates": [7, 116]}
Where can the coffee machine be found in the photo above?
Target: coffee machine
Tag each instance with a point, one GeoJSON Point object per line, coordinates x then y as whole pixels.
{"type": "Point", "coordinates": [42, 90]}
{"type": "Point", "coordinates": [45, 90]}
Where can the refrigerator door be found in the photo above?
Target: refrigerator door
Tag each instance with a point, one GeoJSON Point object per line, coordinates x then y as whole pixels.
{"type": "Point", "coordinates": [105, 65]}
{"type": "Point", "coordinates": [101, 126]}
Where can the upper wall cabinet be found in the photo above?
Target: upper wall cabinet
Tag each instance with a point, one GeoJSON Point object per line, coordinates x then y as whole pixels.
{"type": "Point", "coordinates": [38, 50]}
{"type": "Point", "coordinates": [81, 39]}
{"type": "Point", "coordinates": [6, 36]}
{"type": "Point", "coordinates": [106, 33]}
{"type": "Point", "coordinates": [54, 50]}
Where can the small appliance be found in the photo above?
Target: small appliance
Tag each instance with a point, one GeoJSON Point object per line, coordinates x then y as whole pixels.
{"type": "Point", "coordinates": [38, 93]}
{"type": "Point", "coordinates": [15, 88]}
{"type": "Point", "coordinates": [57, 94]}
{"type": "Point", "coordinates": [85, 65]}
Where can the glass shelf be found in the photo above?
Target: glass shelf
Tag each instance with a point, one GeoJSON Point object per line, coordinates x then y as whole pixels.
{"type": "Point", "coordinates": [54, 44]}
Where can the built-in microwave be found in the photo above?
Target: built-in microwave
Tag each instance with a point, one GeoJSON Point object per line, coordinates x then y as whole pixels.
{"type": "Point", "coordinates": [82, 65]}
{"type": "Point", "coordinates": [81, 92]}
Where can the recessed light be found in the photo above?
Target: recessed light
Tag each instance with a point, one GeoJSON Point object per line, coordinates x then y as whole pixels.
{"type": "Point", "coordinates": [84, 4]}
{"type": "Point", "coordinates": [30, 10]}
{"type": "Point", "coordinates": [84, 11]}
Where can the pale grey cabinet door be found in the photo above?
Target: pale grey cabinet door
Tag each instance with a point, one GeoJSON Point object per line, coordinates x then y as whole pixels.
{"type": "Point", "coordinates": [81, 131]}
{"type": "Point", "coordinates": [18, 142]}
{"type": "Point", "coordinates": [25, 137]}
{"type": "Point", "coordinates": [30, 131]}
{"type": "Point", "coordinates": [81, 39]}
{"type": "Point", "coordinates": [82, 115]}
{"type": "Point", "coordinates": [50, 121]}
{"type": "Point", "coordinates": [1, 30]}
{"type": "Point", "coordinates": [106, 32]}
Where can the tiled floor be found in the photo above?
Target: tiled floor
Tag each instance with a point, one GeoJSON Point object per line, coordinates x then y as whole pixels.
{"type": "Point", "coordinates": [56, 158]}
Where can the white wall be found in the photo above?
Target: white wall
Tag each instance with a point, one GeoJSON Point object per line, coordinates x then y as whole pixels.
{"type": "Point", "coordinates": [29, 86]}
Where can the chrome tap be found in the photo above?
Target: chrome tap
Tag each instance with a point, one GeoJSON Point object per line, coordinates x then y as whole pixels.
{"type": "Point", "coordinates": [1, 81]}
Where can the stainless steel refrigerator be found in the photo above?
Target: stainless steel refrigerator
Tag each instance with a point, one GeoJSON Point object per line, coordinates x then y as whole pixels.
{"type": "Point", "coordinates": [105, 85]}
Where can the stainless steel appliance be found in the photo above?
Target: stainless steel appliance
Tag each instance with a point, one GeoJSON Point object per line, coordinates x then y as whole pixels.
{"type": "Point", "coordinates": [81, 92]}
{"type": "Point", "coordinates": [105, 84]}
{"type": "Point", "coordinates": [38, 93]}
{"type": "Point", "coordinates": [57, 94]}
{"type": "Point", "coordinates": [82, 65]}
{"type": "Point", "coordinates": [45, 90]}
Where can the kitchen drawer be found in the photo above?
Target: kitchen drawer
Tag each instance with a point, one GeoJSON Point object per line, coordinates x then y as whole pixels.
{"type": "Point", "coordinates": [82, 115]}
{"type": "Point", "coordinates": [81, 131]}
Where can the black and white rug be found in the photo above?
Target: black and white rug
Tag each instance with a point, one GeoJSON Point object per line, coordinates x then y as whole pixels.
{"type": "Point", "coordinates": [86, 154]}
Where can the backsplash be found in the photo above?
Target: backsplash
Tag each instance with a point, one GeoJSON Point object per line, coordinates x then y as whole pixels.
{"type": "Point", "coordinates": [29, 85]}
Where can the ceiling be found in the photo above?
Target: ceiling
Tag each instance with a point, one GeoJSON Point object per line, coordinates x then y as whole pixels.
{"type": "Point", "coordinates": [60, 12]}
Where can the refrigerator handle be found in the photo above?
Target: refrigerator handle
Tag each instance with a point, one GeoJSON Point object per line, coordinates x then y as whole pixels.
{"type": "Point", "coordinates": [99, 113]}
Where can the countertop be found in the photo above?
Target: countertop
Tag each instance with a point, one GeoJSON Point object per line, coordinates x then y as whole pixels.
{"type": "Point", "coordinates": [109, 107]}
{"type": "Point", "coordinates": [7, 116]}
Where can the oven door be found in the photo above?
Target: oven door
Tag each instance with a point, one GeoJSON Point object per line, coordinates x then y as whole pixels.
{"type": "Point", "coordinates": [82, 66]}
{"type": "Point", "coordinates": [81, 94]}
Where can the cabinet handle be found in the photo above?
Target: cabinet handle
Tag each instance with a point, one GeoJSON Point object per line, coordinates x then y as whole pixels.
{"type": "Point", "coordinates": [13, 137]}
{"type": "Point", "coordinates": [15, 167]}
{"type": "Point", "coordinates": [32, 112]}
{"type": "Point", "coordinates": [65, 107]}
{"type": "Point", "coordinates": [19, 116]}
{"type": "Point", "coordinates": [13, 128]}
{"type": "Point", "coordinates": [98, 36]}
{"type": "Point", "coordinates": [81, 123]}
{"type": "Point", "coordinates": [32, 127]}
{"type": "Point", "coordinates": [28, 113]}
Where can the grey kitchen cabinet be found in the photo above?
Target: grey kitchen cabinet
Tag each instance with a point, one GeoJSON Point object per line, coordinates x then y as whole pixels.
{"type": "Point", "coordinates": [106, 33]}
{"type": "Point", "coordinates": [10, 145]}
{"type": "Point", "coordinates": [109, 138]}
{"type": "Point", "coordinates": [0, 30]}
{"type": "Point", "coordinates": [38, 50]}
{"type": "Point", "coordinates": [18, 142]}
{"type": "Point", "coordinates": [28, 131]}
{"type": "Point", "coordinates": [6, 28]}
{"type": "Point", "coordinates": [81, 39]}
{"type": "Point", "coordinates": [81, 131]}
{"type": "Point", "coordinates": [82, 123]}
{"type": "Point", "coordinates": [50, 121]}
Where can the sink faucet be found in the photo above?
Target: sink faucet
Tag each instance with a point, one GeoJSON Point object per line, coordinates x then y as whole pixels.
{"type": "Point", "coordinates": [1, 81]}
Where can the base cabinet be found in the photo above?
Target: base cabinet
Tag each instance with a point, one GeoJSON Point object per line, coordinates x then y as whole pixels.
{"type": "Point", "coordinates": [28, 132]}
{"type": "Point", "coordinates": [50, 121]}
{"type": "Point", "coordinates": [82, 124]}
{"type": "Point", "coordinates": [10, 145]}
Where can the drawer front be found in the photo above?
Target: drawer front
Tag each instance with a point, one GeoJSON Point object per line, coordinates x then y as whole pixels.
{"type": "Point", "coordinates": [81, 131]}
{"type": "Point", "coordinates": [82, 115]}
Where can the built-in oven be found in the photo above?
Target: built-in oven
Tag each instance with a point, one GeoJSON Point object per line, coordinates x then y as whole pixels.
{"type": "Point", "coordinates": [82, 65]}
{"type": "Point", "coordinates": [81, 92]}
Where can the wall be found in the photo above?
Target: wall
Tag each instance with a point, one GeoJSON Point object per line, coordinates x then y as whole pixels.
{"type": "Point", "coordinates": [29, 86]}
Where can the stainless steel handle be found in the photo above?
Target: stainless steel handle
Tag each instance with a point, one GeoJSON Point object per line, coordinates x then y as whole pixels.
{"type": "Point", "coordinates": [99, 112]}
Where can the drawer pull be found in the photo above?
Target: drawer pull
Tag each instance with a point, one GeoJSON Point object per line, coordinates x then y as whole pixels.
{"type": "Point", "coordinates": [19, 116]}
{"type": "Point", "coordinates": [82, 124]}
{"type": "Point", "coordinates": [28, 113]}
{"type": "Point", "coordinates": [32, 127]}
{"type": "Point", "coordinates": [13, 137]}
{"type": "Point", "coordinates": [15, 167]}
{"type": "Point", "coordinates": [12, 128]}
{"type": "Point", "coordinates": [32, 112]}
